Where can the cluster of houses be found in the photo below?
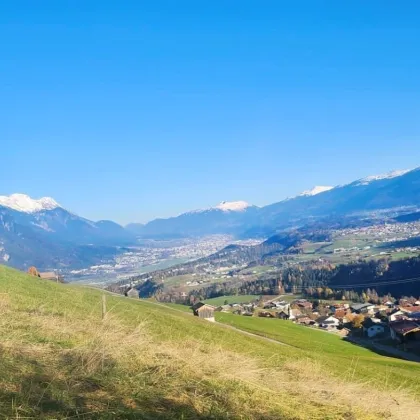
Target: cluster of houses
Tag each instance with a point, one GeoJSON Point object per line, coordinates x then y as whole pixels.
{"type": "Point", "coordinates": [400, 322]}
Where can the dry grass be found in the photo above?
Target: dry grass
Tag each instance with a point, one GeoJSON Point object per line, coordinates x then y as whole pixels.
{"type": "Point", "coordinates": [62, 361]}
{"type": "Point", "coordinates": [208, 379]}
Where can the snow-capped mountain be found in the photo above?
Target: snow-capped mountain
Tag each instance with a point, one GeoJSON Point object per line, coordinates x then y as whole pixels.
{"type": "Point", "coordinates": [226, 206]}
{"type": "Point", "coordinates": [26, 204]}
{"type": "Point", "coordinates": [315, 190]}
{"type": "Point", "coordinates": [38, 231]}
{"type": "Point", "coordinates": [394, 190]}
{"type": "Point", "coordinates": [233, 206]}
{"type": "Point", "coordinates": [388, 175]}
{"type": "Point", "coordinates": [225, 218]}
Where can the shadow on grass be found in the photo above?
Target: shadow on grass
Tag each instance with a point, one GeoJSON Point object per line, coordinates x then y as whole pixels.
{"type": "Point", "coordinates": [38, 395]}
{"type": "Point", "coordinates": [383, 350]}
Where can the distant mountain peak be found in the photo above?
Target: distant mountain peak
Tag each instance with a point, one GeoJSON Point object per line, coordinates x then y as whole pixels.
{"type": "Point", "coordinates": [225, 206]}
{"type": "Point", "coordinates": [233, 206]}
{"type": "Point", "coordinates": [389, 175]}
{"type": "Point", "coordinates": [315, 190]}
{"type": "Point", "coordinates": [26, 204]}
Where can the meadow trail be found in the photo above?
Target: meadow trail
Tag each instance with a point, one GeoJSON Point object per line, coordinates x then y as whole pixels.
{"type": "Point", "coordinates": [231, 327]}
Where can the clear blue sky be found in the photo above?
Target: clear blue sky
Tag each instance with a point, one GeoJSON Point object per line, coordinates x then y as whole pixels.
{"type": "Point", "coordinates": [131, 110]}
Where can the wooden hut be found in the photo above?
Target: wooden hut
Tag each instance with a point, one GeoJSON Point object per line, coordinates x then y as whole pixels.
{"type": "Point", "coordinates": [51, 275]}
{"type": "Point", "coordinates": [133, 293]}
{"type": "Point", "coordinates": [204, 311]}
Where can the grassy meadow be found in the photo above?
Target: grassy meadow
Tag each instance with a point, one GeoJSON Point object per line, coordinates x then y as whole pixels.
{"type": "Point", "coordinates": [218, 301]}
{"type": "Point", "coordinates": [61, 360]}
{"type": "Point", "coordinates": [340, 358]}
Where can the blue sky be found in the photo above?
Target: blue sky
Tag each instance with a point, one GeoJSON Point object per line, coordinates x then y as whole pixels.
{"type": "Point", "coordinates": [141, 109]}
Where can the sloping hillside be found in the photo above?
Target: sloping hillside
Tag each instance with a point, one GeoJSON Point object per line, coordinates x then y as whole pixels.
{"type": "Point", "coordinates": [61, 360]}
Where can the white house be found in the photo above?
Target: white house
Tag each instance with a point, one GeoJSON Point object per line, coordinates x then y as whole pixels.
{"type": "Point", "coordinates": [373, 327]}
{"type": "Point", "coordinates": [293, 313]}
{"type": "Point", "coordinates": [283, 306]}
{"type": "Point", "coordinates": [328, 322]}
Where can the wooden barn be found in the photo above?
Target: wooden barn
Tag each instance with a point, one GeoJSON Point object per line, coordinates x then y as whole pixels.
{"type": "Point", "coordinates": [132, 293]}
{"type": "Point", "coordinates": [51, 275]}
{"type": "Point", "coordinates": [204, 311]}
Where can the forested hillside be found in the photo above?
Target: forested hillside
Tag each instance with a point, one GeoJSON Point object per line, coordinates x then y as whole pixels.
{"type": "Point", "coordinates": [349, 281]}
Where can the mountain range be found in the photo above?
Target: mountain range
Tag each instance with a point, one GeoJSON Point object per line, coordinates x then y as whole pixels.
{"type": "Point", "coordinates": [396, 191]}
{"type": "Point", "coordinates": [43, 233]}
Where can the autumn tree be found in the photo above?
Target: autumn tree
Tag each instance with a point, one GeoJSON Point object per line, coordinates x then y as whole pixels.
{"type": "Point", "coordinates": [33, 271]}
{"type": "Point", "coordinates": [357, 321]}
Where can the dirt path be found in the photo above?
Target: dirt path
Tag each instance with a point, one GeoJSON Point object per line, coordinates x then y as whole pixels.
{"type": "Point", "coordinates": [387, 350]}
{"type": "Point", "coordinates": [270, 340]}
{"type": "Point", "coordinates": [230, 327]}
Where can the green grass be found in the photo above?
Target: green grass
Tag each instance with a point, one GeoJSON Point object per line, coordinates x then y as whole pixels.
{"type": "Point", "coordinates": [289, 298]}
{"type": "Point", "coordinates": [314, 247]}
{"type": "Point", "coordinates": [61, 360]}
{"type": "Point", "coordinates": [339, 356]}
{"type": "Point", "coordinates": [179, 280]}
{"type": "Point", "coordinates": [403, 255]}
{"type": "Point", "coordinates": [347, 242]}
{"type": "Point", "coordinates": [218, 301]}
{"type": "Point", "coordinates": [258, 269]}
{"type": "Point", "coordinates": [179, 307]}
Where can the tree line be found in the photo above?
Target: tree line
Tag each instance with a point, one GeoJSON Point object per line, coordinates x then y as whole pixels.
{"type": "Point", "coordinates": [321, 282]}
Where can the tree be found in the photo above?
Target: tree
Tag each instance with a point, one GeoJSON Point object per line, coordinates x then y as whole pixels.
{"type": "Point", "coordinates": [357, 321]}
{"type": "Point", "coordinates": [33, 271]}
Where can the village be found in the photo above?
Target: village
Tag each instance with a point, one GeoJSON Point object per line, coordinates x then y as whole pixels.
{"type": "Point", "coordinates": [391, 326]}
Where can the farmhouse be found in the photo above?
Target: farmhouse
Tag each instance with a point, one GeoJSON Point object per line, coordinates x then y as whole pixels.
{"type": "Point", "coordinates": [51, 275]}
{"type": "Point", "coordinates": [340, 313]}
{"type": "Point", "coordinates": [204, 311]}
{"type": "Point", "coordinates": [408, 310]}
{"type": "Point", "coordinates": [327, 322]}
{"type": "Point", "coordinates": [396, 315]}
{"type": "Point", "coordinates": [373, 327]}
{"type": "Point", "coordinates": [266, 314]}
{"type": "Point", "coordinates": [283, 314]}
{"type": "Point", "coordinates": [283, 306]}
{"type": "Point", "coordinates": [360, 308]}
{"type": "Point", "coordinates": [339, 307]}
{"type": "Point", "coordinates": [293, 313]}
{"type": "Point", "coordinates": [405, 330]}
{"type": "Point", "coordinates": [304, 320]}
{"type": "Point", "coordinates": [303, 304]}
{"type": "Point", "coordinates": [132, 293]}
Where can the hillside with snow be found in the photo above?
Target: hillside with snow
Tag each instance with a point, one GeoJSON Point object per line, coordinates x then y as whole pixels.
{"type": "Point", "coordinates": [315, 190]}
{"type": "Point", "coordinates": [42, 227]}
{"type": "Point", "coordinates": [40, 232]}
{"type": "Point", "coordinates": [26, 204]}
{"type": "Point", "coordinates": [389, 175]}
{"type": "Point", "coordinates": [233, 206]}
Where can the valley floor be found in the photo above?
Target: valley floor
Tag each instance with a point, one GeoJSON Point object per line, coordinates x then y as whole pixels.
{"type": "Point", "coordinates": [60, 359]}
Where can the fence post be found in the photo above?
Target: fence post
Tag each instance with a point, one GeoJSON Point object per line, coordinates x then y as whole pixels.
{"type": "Point", "coordinates": [103, 306]}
